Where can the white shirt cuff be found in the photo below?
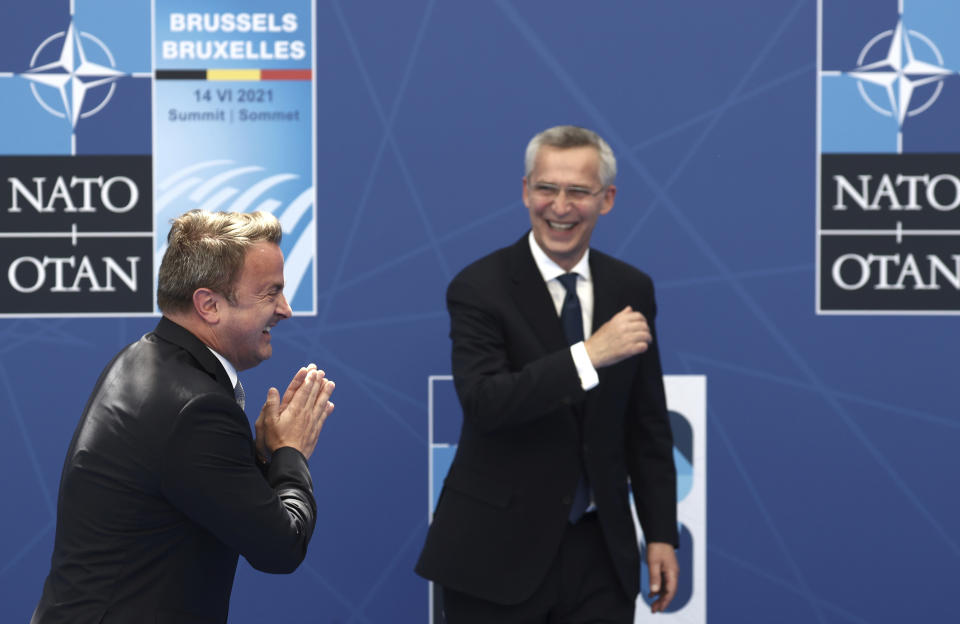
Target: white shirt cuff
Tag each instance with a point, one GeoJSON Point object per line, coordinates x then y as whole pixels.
{"type": "Point", "coordinates": [588, 374]}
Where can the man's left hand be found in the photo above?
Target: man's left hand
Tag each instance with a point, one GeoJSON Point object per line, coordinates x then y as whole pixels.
{"type": "Point", "coordinates": [664, 570]}
{"type": "Point", "coordinates": [263, 454]}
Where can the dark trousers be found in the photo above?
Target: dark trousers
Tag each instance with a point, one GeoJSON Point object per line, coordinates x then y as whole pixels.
{"type": "Point", "coordinates": [581, 587]}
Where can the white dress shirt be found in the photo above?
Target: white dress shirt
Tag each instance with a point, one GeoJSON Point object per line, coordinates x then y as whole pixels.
{"type": "Point", "coordinates": [550, 271]}
{"type": "Point", "coordinates": [227, 366]}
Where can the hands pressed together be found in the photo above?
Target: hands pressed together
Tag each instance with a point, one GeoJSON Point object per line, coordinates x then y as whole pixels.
{"type": "Point", "coordinates": [296, 419]}
{"type": "Point", "coordinates": [625, 334]}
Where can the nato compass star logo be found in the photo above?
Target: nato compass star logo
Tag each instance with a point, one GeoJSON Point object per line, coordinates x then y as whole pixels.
{"type": "Point", "coordinates": [68, 84]}
{"type": "Point", "coordinates": [899, 73]}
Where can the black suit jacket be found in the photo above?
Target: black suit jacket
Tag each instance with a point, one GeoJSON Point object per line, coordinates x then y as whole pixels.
{"type": "Point", "coordinates": [160, 491]}
{"type": "Point", "coordinates": [504, 505]}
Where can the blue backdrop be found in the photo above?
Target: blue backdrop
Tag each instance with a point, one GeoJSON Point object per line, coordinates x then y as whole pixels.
{"type": "Point", "coordinates": [831, 439]}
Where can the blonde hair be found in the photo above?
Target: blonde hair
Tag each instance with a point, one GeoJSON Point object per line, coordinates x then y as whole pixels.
{"type": "Point", "coordinates": [207, 250]}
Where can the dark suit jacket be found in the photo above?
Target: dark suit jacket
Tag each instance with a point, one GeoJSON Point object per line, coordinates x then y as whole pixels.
{"type": "Point", "coordinates": [160, 491]}
{"type": "Point", "coordinates": [504, 505]}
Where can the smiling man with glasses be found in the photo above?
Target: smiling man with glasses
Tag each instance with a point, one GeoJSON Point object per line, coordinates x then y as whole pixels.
{"type": "Point", "coordinates": [558, 373]}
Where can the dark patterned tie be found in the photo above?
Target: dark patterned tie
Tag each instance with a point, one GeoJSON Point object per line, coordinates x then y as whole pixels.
{"type": "Point", "coordinates": [240, 395]}
{"type": "Point", "coordinates": [571, 317]}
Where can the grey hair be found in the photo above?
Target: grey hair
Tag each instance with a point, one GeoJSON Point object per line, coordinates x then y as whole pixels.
{"type": "Point", "coordinates": [563, 137]}
{"type": "Point", "coordinates": [207, 250]}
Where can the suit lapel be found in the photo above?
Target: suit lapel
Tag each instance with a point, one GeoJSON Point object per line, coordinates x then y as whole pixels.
{"type": "Point", "coordinates": [533, 299]}
{"type": "Point", "coordinates": [604, 292]}
{"type": "Point", "coordinates": [535, 304]}
{"type": "Point", "coordinates": [605, 304]}
{"type": "Point", "coordinates": [171, 332]}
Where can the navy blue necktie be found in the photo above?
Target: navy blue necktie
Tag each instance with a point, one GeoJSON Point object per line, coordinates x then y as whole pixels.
{"type": "Point", "coordinates": [571, 317]}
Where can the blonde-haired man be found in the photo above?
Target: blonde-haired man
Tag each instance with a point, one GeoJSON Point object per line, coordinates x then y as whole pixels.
{"type": "Point", "coordinates": [164, 486]}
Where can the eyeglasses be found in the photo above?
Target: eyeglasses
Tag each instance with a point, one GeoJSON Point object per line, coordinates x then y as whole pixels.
{"type": "Point", "coordinates": [545, 191]}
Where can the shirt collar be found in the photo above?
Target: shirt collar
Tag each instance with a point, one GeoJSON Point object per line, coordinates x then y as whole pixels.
{"type": "Point", "coordinates": [227, 366]}
{"type": "Point", "coordinates": [551, 270]}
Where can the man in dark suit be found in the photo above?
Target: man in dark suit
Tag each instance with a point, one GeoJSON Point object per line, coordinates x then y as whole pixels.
{"type": "Point", "coordinates": [163, 484]}
{"type": "Point", "coordinates": [557, 370]}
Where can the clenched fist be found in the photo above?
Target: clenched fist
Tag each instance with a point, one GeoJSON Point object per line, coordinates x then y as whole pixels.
{"type": "Point", "coordinates": [624, 335]}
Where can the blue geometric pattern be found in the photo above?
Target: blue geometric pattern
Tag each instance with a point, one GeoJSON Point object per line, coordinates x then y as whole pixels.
{"type": "Point", "coordinates": [832, 440]}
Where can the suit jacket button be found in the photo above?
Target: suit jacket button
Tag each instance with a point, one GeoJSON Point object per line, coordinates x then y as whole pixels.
{"type": "Point", "coordinates": [567, 500]}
